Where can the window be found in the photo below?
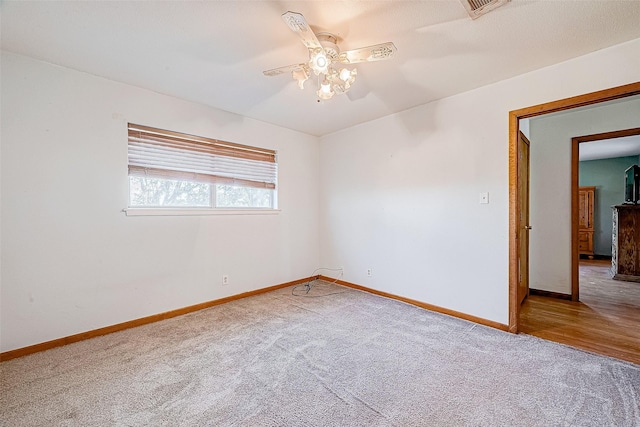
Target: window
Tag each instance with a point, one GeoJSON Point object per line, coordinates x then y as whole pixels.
{"type": "Point", "coordinates": [171, 169]}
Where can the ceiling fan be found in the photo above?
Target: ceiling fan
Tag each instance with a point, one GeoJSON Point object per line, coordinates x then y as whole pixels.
{"type": "Point", "coordinates": [326, 60]}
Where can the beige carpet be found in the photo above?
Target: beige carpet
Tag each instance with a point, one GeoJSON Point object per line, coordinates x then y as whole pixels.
{"type": "Point", "coordinates": [345, 359]}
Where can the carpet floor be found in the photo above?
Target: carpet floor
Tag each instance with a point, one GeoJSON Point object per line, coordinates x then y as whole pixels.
{"type": "Point", "coordinates": [341, 358]}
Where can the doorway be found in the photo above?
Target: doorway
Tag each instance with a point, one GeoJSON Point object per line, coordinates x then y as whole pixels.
{"type": "Point", "coordinates": [575, 169]}
{"type": "Point", "coordinates": [515, 203]}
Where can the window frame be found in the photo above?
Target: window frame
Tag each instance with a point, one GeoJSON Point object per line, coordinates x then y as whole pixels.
{"type": "Point", "coordinates": [162, 154]}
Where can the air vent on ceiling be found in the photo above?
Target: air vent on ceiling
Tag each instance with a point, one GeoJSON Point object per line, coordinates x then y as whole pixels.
{"type": "Point", "coordinates": [477, 8]}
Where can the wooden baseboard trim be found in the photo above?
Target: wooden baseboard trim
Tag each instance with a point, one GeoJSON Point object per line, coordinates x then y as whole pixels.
{"type": "Point", "coordinates": [24, 351]}
{"type": "Point", "coordinates": [424, 305]}
{"type": "Point", "coordinates": [550, 294]}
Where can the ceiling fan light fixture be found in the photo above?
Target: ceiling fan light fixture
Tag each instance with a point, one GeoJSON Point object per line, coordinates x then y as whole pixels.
{"type": "Point", "coordinates": [348, 76]}
{"type": "Point", "coordinates": [326, 90]}
{"type": "Point", "coordinates": [340, 87]}
{"type": "Point", "coordinates": [325, 57]}
{"type": "Point", "coordinates": [319, 62]}
{"type": "Point", "coordinates": [340, 81]}
{"type": "Point", "coordinates": [301, 75]}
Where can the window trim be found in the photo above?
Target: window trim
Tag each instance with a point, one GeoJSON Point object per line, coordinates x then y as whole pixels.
{"type": "Point", "coordinates": [180, 211]}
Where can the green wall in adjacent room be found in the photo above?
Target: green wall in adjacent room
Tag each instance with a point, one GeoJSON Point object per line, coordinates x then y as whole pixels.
{"type": "Point", "coordinates": [607, 175]}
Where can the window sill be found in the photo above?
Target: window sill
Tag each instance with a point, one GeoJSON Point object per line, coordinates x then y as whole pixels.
{"type": "Point", "coordinates": [196, 211]}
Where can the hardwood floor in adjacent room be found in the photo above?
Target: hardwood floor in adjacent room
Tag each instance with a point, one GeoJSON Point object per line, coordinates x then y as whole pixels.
{"type": "Point", "coordinates": [606, 320]}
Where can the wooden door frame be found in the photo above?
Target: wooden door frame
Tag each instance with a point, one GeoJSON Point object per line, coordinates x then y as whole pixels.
{"type": "Point", "coordinates": [514, 208]}
{"type": "Point", "coordinates": [575, 185]}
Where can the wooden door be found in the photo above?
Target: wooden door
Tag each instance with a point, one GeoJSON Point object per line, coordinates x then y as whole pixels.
{"type": "Point", "coordinates": [523, 231]}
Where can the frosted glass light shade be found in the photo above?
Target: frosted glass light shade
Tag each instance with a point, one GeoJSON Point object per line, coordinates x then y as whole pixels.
{"type": "Point", "coordinates": [319, 62]}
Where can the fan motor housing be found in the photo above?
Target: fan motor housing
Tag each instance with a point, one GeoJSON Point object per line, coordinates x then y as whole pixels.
{"type": "Point", "coordinates": [328, 42]}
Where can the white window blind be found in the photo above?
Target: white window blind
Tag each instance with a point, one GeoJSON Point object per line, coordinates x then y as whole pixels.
{"type": "Point", "coordinates": [158, 153]}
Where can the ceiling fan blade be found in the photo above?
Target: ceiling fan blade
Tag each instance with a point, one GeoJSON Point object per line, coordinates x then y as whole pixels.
{"type": "Point", "coordinates": [376, 52]}
{"type": "Point", "coordinates": [299, 25]}
{"type": "Point", "coordinates": [282, 70]}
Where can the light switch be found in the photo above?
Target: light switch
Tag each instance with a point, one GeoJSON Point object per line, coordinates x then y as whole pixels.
{"type": "Point", "coordinates": [484, 198]}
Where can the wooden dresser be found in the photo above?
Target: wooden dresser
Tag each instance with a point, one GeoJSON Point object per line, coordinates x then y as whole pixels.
{"type": "Point", "coordinates": [625, 250]}
{"type": "Point", "coordinates": [586, 201]}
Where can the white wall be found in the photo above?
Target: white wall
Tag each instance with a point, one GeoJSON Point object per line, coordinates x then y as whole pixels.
{"type": "Point", "coordinates": [72, 261]}
{"type": "Point", "coordinates": [550, 212]}
{"type": "Point", "coordinates": [400, 195]}
{"type": "Point", "coordinates": [524, 126]}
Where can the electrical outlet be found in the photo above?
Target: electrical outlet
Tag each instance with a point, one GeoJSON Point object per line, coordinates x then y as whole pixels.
{"type": "Point", "coordinates": [225, 280]}
{"type": "Point", "coordinates": [368, 272]}
{"type": "Point", "coordinates": [484, 198]}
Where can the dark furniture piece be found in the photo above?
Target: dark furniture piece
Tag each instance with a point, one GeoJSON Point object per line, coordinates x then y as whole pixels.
{"type": "Point", "coordinates": [625, 251]}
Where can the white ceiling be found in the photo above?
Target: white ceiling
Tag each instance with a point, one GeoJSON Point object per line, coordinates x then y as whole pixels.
{"type": "Point", "coordinates": [610, 148]}
{"type": "Point", "coordinates": [214, 52]}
